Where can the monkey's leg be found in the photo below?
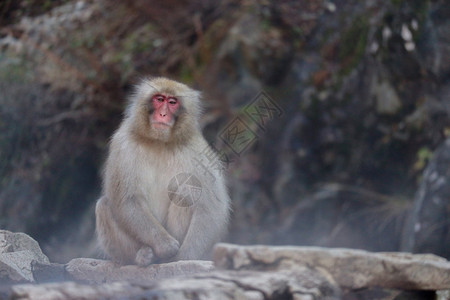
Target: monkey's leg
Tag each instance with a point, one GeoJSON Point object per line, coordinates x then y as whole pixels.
{"type": "Point", "coordinates": [116, 242]}
{"type": "Point", "coordinates": [206, 229]}
{"type": "Point", "coordinates": [142, 224]}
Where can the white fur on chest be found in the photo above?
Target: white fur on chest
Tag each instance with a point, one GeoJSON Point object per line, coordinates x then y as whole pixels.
{"type": "Point", "coordinates": [153, 175]}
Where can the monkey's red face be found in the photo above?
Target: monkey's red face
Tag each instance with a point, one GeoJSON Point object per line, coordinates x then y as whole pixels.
{"type": "Point", "coordinates": [164, 112]}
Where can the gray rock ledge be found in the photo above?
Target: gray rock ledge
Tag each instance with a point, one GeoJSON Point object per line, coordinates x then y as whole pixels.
{"type": "Point", "coordinates": [351, 269]}
{"type": "Point", "coordinates": [89, 270]}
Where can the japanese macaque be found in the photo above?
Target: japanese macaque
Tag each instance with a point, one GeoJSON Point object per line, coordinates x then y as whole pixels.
{"type": "Point", "coordinates": [164, 196]}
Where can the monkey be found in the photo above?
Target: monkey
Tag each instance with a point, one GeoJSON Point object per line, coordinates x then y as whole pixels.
{"type": "Point", "coordinates": [164, 196]}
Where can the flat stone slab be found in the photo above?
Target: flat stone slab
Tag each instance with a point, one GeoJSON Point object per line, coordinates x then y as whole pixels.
{"type": "Point", "coordinates": [99, 271]}
{"type": "Point", "coordinates": [307, 284]}
{"type": "Point", "coordinates": [352, 269]}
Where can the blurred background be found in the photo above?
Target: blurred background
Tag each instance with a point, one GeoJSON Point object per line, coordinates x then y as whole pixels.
{"type": "Point", "coordinates": [345, 103]}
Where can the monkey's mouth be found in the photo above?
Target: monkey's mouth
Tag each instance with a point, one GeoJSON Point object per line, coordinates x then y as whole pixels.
{"type": "Point", "coordinates": [161, 125]}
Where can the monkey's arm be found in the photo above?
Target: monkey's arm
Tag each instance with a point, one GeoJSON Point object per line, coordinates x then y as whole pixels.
{"type": "Point", "coordinates": [143, 225]}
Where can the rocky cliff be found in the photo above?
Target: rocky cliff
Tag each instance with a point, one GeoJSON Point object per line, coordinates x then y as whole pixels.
{"type": "Point", "coordinates": [358, 103]}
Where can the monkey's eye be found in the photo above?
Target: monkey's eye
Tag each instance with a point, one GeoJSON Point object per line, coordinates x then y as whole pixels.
{"type": "Point", "coordinates": [173, 100]}
{"type": "Point", "coordinates": [159, 98]}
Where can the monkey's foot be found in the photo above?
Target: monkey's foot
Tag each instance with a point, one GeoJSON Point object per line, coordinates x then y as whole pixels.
{"type": "Point", "coordinates": [144, 256]}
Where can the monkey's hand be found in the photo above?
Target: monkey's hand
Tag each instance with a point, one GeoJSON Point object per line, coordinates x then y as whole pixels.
{"type": "Point", "coordinates": [166, 246]}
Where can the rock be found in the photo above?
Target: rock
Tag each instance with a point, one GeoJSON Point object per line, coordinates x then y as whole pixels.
{"type": "Point", "coordinates": [99, 271]}
{"type": "Point", "coordinates": [387, 100]}
{"type": "Point", "coordinates": [316, 58]}
{"type": "Point", "coordinates": [427, 229]}
{"type": "Point", "coordinates": [72, 290]}
{"type": "Point", "coordinates": [52, 272]}
{"type": "Point", "coordinates": [388, 294]}
{"type": "Point", "coordinates": [254, 272]}
{"type": "Point", "coordinates": [351, 269]}
{"type": "Point", "coordinates": [16, 266]}
{"type": "Point", "coordinates": [12, 242]}
{"type": "Point", "coordinates": [433, 44]}
{"type": "Point", "coordinates": [305, 285]}
{"type": "Point", "coordinates": [443, 295]}
{"type": "Point", "coordinates": [302, 284]}
{"type": "Point", "coordinates": [17, 253]}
